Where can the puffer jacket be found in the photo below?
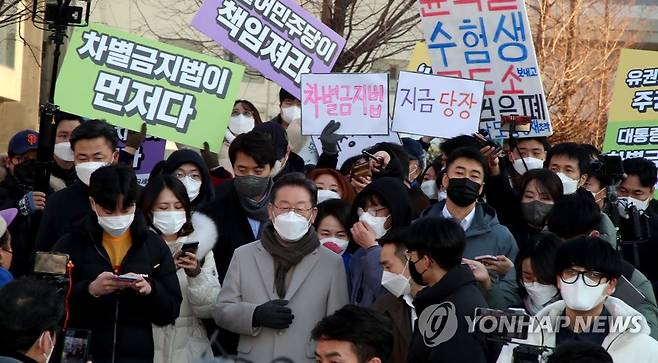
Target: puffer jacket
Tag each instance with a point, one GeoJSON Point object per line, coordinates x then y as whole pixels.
{"type": "Point", "coordinates": [186, 340]}
{"type": "Point", "coordinates": [625, 345]}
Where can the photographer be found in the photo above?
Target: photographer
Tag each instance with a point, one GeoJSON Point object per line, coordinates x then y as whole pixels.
{"type": "Point", "coordinates": [30, 312]}
{"type": "Point", "coordinates": [124, 277]}
{"type": "Point", "coordinates": [637, 189]}
{"type": "Point", "coordinates": [587, 272]}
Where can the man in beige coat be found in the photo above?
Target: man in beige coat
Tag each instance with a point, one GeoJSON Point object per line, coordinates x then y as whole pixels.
{"type": "Point", "coordinates": [279, 287]}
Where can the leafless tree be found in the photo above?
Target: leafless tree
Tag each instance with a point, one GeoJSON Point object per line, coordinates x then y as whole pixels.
{"type": "Point", "coordinates": [374, 30]}
{"type": "Point", "coordinates": [14, 11]}
{"type": "Point", "coordinates": [577, 44]}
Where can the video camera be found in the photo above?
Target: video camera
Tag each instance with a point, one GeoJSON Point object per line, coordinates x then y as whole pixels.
{"type": "Point", "coordinates": [52, 266]}
{"type": "Point", "coordinates": [633, 224]}
{"type": "Point", "coordinates": [500, 326]}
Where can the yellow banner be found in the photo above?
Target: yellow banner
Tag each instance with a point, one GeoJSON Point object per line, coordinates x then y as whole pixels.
{"type": "Point", "coordinates": [635, 96]}
{"type": "Point", "coordinates": [420, 59]}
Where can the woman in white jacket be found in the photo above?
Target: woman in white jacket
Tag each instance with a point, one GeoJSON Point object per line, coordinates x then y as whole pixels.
{"type": "Point", "coordinates": [166, 206]}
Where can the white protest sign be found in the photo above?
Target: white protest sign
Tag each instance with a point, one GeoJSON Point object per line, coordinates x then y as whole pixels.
{"type": "Point", "coordinates": [359, 101]}
{"type": "Point", "coordinates": [431, 105]}
{"type": "Point", "coordinates": [489, 41]}
{"type": "Point", "coordinates": [353, 145]}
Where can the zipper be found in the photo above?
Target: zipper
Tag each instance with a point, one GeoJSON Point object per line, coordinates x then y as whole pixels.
{"type": "Point", "coordinates": [116, 304]}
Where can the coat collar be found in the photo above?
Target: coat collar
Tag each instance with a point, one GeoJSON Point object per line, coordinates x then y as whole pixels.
{"type": "Point", "coordinates": [265, 265]}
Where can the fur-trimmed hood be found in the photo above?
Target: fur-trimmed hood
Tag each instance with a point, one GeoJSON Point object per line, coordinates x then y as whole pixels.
{"type": "Point", "coordinates": [205, 232]}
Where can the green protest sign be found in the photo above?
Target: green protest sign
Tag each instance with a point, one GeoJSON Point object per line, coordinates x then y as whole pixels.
{"type": "Point", "coordinates": [183, 96]}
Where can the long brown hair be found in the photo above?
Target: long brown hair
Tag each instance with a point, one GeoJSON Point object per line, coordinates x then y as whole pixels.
{"type": "Point", "coordinates": [250, 106]}
{"type": "Point", "coordinates": [151, 192]}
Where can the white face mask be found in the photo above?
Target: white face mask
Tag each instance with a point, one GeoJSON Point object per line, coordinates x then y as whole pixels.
{"type": "Point", "coordinates": [84, 170]}
{"type": "Point", "coordinates": [291, 114]}
{"type": "Point", "coordinates": [429, 188]}
{"type": "Point", "coordinates": [116, 225]}
{"type": "Point", "coordinates": [581, 297]}
{"type": "Point", "coordinates": [192, 186]}
{"type": "Point", "coordinates": [530, 162]}
{"type": "Point", "coordinates": [47, 356]}
{"type": "Point", "coordinates": [240, 124]}
{"type": "Point", "coordinates": [63, 151]}
{"type": "Point", "coordinates": [396, 284]}
{"type": "Point", "coordinates": [278, 166]}
{"type": "Point", "coordinates": [569, 185]}
{"type": "Point", "coordinates": [326, 194]}
{"type": "Point", "coordinates": [540, 294]}
{"type": "Point", "coordinates": [169, 222]}
{"type": "Point", "coordinates": [624, 202]}
{"type": "Point", "coordinates": [291, 226]}
{"type": "Point", "coordinates": [442, 195]}
{"type": "Point", "coordinates": [340, 244]}
{"type": "Point", "coordinates": [228, 136]}
{"type": "Point", "coordinates": [376, 223]}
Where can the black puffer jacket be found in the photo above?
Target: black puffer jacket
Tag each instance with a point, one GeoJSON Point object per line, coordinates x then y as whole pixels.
{"type": "Point", "coordinates": [121, 322]}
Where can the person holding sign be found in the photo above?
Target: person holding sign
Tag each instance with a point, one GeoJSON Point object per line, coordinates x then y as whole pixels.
{"type": "Point", "coordinates": [244, 118]}
{"type": "Point", "coordinates": [62, 173]}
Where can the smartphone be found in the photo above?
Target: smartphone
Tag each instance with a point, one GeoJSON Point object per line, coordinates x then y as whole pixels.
{"type": "Point", "coordinates": [370, 156]}
{"type": "Point", "coordinates": [485, 257]}
{"type": "Point", "coordinates": [361, 170]}
{"type": "Point", "coordinates": [127, 278]}
{"type": "Point", "coordinates": [76, 346]}
{"type": "Point", "coordinates": [484, 142]}
{"type": "Point", "coordinates": [50, 263]}
{"type": "Point", "coordinates": [190, 247]}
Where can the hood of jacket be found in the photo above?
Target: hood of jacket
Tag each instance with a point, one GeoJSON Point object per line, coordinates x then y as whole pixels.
{"type": "Point", "coordinates": [180, 157]}
{"type": "Point", "coordinates": [395, 196]}
{"type": "Point", "coordinates": [454, 279]}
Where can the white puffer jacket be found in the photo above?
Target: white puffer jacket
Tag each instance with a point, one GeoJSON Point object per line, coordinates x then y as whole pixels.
{"type": "Point", "coordinates": [624, 345]}
{"type": "Point", "coordinates": [186, 340]}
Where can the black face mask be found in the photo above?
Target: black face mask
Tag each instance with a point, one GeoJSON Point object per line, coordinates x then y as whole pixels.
{"type": "Point", "coordinates": [463, 191]}
{"type": "Point", "coordinates": [251, 186]}
{"type": "Point", "coordinates": [536, 213]}
{"type": "Point", "coordinates": [26, 174]}
{"type": "Point", "coordinates": [415, 275]}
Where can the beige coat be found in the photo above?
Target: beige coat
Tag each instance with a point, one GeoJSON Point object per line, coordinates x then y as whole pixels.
{"type": "Point", "coordinates": [318, 287]}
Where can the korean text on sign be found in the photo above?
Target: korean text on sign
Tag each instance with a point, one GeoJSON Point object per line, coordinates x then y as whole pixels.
{"type": "Point", "coordinates": [277, 37]}
{"type": "Point", "coordinates": [184, 96]}
{"type": "Point", "coordinates": [644, 99]}
{"type": "Point", "coordinates": [489, 40]}
{"type": "Point", "coordinates": [358, 100]}
{"type": "Point", "coordinates": [437, 106]}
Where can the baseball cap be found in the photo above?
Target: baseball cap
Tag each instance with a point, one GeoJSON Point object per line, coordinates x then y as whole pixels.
{"type": "Point", "coordinates": [23, 142]}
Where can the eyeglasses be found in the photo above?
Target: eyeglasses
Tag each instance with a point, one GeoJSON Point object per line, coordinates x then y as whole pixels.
{"type": "Point", "coordinates": [590, 278]}
{"type": "Point", "coordinates": [293, 209]}
{"type": "Point", "coordinates": [194, 175]}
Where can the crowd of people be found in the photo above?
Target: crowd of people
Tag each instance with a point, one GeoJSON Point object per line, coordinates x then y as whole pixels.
{"type": "Point", "coordinates": [388, 257]}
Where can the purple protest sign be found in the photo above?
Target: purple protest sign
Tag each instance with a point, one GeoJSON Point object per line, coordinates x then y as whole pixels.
{"type": "Point", "coordinates": [151, 152]}
{"type": "Point", "coordinates": [279, 38]}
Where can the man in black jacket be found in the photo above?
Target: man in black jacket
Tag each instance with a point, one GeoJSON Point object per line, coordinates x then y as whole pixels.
{"type": "Point", "coordinates": [94, 145]}
{"type": "Point", "coordinates": [435, 247]}
{"type": "Point", "coordinates": [239, 209]}
{"type": "Point", "coordinates": [124, 277]}
{"type": "Point", "coordinates": [17, 191]}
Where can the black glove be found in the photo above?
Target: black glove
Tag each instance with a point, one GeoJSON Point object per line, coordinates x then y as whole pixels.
{"type": "Point", "coordinates": [210, 158]}
{"type": "Point", "coordinates": [136, 139]}
{"type": "Point", "coordinates": [329, 139]}
{"type": "Point", "coordinates": [273, 314]}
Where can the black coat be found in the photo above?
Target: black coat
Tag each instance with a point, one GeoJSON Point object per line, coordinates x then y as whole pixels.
{"type": "Point", "coordinates": [22, 228]}
{"type": "Point", "coordinates": [458, 287]}
{"type": "Point", "coordinates": [232, 225]}
{"type": "Point", "coordinates": [63, 209]}
{"type": "Point", "coordinates": [121, 322]}
{"type": "Point", "coordinates": [233, 231]}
